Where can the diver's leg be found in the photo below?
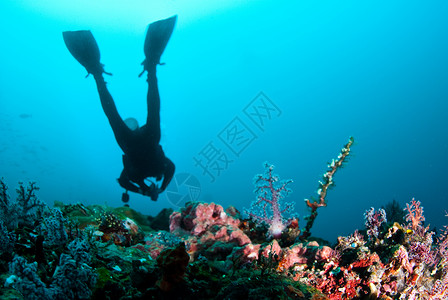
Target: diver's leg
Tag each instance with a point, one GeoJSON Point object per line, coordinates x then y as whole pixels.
{"type": "Point", "coordinates": [82, 45]}
{"type": "Point", "coordinates": [121, 131]}
{"type": "Point", "coordinates": [157, 37]}
{"type": "Point", "coordinates": [153, 99]}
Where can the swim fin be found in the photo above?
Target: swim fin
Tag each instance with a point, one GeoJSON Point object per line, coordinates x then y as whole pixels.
{"type": "Point", "coordinates": [82, 45]}
{"type": "Point", "coordinates": [157, 38]}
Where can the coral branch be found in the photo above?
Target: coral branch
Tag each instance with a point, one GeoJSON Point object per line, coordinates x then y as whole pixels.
{"type": "Point", "coordinates": [373, 221]}
{"type": "Point", "coordinates": [324, 186]}
{"type": "Point", "coordinates": [4, 197]}
{"type": "Point", "coordinates": [270, 190]}
{"type": "Point", "coordinates": [415, 214]}
{"type": "Point", "coordinates": [22, 209]}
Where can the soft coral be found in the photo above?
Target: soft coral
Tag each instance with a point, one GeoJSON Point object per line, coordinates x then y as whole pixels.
{"type": "Point", "coordinates": [270, 191]}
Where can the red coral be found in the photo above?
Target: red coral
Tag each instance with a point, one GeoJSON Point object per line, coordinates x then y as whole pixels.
{"type": "Point", "coordinates": [173, 263]}
{"type": "Point", "coordinates": [366, 262]}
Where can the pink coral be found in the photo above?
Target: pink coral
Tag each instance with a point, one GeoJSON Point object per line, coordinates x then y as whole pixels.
{"type": "Point", "coordinates": [246, 253]}
{"type": "Point", "coordinates": [266, 209]}
{"type": "Point", "coordinates": [207, 228]}
{"type": "Point", "coordinates": [272, 249]}
{"type": "Point", "coordinates": [324, 254]}
{"type": "Point", "coordinates": [295, 255]}
{"type": "Point", "coordinates": [197, 218]}
{"type": "Point", "coordinates": [415, 214]}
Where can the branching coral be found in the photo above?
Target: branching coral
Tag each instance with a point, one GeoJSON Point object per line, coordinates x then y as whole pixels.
{"type": "Point", "coordinates": [7, 239]}
{"type": "Point", "coordinates": [415, 214]}
{"type": "Point", "coordinates": [27, 281]}
{"type": "Point", "coordinates": [54, 229]}
{"type": "Point", "coordinates": [40, 228]}
{"type": "Point", "coordinates": [73, 278]}
{"type": "Point", "coordinates": [22, 210]}
{"type": "Point", "coordinates": [324, 185]}
{"type": "Point", "coordinates": [270, 191]}
{"type": "Point", "coordinates": [374, 220]}
{"type": "Point", "coordinates": [268, 209]}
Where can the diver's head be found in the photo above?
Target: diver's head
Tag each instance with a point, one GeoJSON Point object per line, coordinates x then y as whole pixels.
{"type": "Point", "coordinates": [131, 123]}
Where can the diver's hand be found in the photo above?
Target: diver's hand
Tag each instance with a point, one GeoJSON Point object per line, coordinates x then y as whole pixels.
{"type": "Point", "coordinates": [154, 195]}
{"type": "Point", "coordinates": [152, 192]}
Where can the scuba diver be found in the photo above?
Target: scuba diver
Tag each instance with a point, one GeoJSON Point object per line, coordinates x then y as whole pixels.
{"type": "Point", "coordinates": [143, 156]}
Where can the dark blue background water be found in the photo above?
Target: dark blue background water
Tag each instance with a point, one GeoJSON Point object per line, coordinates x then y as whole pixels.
{"type": "Point", "coordinates": [374, 70]}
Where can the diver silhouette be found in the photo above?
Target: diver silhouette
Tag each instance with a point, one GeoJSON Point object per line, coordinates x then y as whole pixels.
{"type": "Point", "coordinates": [143, 156]}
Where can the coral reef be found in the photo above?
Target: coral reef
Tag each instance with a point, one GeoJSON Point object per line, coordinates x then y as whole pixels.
{"type": "Point", "coordinates": [74, 251]}
{"type": "Point", "coordinates": [72, 279]}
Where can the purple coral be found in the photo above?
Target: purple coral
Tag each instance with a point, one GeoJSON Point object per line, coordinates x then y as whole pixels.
{"type": "Point", "coordinates": [374, 221]}
{"type": "Point", "coordinates": [267, 209]}
{"type": "Point", "coordinates": [443, 245]}
{"type": "Point", "coordinates": [22, 210]}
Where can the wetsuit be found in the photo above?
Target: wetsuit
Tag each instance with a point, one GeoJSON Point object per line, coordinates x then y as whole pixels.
{"type": "Point", "coordinates": [143, 156]}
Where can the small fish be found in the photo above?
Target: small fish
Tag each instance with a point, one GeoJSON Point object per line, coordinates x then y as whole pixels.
{"type": "Point", "coordinates": [25, 116]}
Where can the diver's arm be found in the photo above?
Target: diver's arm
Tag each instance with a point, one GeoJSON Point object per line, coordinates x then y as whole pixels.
{"type": "Point", "coordinates": [168, 175]}
{"type": "Point", "coordinates": [127, 184]}
{"type": "Point", "coordinates": [141, 188]}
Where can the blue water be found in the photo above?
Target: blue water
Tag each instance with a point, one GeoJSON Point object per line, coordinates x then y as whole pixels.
{"type": "Point", "coordinates": [328, 70]}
